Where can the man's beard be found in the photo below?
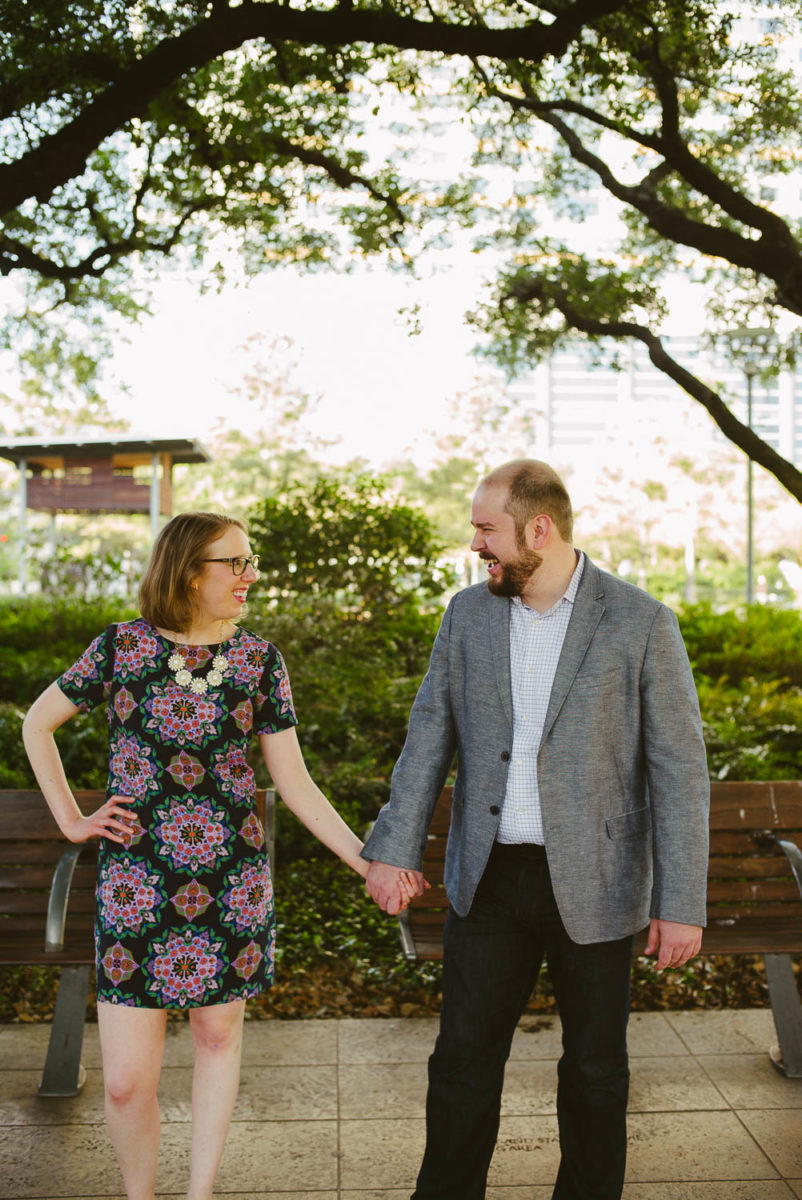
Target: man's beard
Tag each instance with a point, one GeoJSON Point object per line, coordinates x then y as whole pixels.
{"type": "Point", "coordinates": [515, 575]}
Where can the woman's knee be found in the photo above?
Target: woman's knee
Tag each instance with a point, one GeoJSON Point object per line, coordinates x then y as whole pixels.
{"type": "Point", "coordinates": [125, 1086]}
{"type": "Point", "coordinates": [217, 1031]}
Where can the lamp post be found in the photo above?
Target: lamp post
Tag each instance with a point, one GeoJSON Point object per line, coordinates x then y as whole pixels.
{"type": "Point", "coordinates": [750, 370]}
{"type": "Point", "coordinates": [750, 347]}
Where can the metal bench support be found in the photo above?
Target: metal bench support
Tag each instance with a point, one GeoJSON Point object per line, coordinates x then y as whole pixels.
{"type": "Point", "coordinates": [63, 1074]}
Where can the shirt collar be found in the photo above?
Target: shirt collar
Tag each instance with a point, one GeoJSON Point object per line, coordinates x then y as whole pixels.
{"type": "Point", "coordinates": [569, 595]}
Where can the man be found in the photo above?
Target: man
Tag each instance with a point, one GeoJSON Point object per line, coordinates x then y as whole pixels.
{"type": "Point", "coordinates": [579, 817]}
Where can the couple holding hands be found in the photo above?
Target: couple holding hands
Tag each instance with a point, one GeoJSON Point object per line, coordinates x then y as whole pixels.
{"type": "Point", "coordinates": [579, 818]}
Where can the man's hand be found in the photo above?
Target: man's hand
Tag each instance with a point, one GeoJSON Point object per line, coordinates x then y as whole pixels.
{"type": "Point", "coordinates": [384, 884]}
{"type": "Point", "coordinates": [675, 943]}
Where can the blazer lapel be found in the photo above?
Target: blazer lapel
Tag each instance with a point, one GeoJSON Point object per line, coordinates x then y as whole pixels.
{"type": "Point", "coordinates": [498, 626]}
{"type": "Point", "coordinates": [588, 611]}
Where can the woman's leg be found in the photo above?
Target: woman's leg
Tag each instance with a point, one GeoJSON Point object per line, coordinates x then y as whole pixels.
{"type": "Point", "coordinates": [132, 1044]}
{"type": "Point", "coordinates": [217, 1037]}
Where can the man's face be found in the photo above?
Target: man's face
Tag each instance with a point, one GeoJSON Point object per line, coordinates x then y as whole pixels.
{"type": "Point", "coordinates": [511, 563]}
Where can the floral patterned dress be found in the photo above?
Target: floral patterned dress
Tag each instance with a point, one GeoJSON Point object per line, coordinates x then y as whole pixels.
{"type": "Point", "coordinates": [184, 909]}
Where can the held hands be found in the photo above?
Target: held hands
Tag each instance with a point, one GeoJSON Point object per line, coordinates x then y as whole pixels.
{"type": "Point", "coordinates": [674, 943]}
{"type": "Point", "coordinates": [109, 821]}
{"type": "Point", "coordinates": [393, 887]}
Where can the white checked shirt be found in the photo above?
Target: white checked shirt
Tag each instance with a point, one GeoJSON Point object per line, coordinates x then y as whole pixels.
{"type": "Point", "coordinates": [536, 640]}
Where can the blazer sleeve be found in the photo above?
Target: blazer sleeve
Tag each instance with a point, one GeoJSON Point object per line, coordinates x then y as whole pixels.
{"type": "Point", "coordinates": [400, 832]}
{"type": "Point", "coordinates": [676, 774]}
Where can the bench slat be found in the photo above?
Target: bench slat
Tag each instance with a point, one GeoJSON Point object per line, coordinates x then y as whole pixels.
{"type": "Point", "coordinates": [35, 876]}
{"type": "Point", "coordinates": [754, 903]}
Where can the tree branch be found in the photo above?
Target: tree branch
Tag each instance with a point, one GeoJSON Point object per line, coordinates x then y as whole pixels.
{"type": "Point", "coordinates": [736, 431]}
{"type": "Point", "coordinates": [63, 155]}
{"type": "Point", "coordinates": [765, 256]}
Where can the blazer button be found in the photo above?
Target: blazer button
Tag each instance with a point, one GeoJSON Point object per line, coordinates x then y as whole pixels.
{"type": "Point", "coordinates": [495, 810]}
{"type": "Point", "coordinates": [505, 756]}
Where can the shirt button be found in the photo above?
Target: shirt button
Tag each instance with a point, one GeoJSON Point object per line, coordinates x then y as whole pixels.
{"type": "Point", "coordinates": [505, 756]}
{"type": "Point", "coordinates": [495, 810]}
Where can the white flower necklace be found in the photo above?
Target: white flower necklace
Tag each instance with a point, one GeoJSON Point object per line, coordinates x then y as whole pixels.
{"type": "Point", "coordinates": [198, 685]}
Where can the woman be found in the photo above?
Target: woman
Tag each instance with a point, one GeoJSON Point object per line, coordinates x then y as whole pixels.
{"type": "Point", "coordinates": [184, 897]}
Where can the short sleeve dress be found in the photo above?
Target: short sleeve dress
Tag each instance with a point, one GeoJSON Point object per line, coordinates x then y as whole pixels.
{"type": "Point", "coordinates": [184, 912]}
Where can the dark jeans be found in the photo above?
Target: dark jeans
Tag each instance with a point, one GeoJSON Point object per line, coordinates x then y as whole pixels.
{"type": "Point", "coordinates": [491, 962]}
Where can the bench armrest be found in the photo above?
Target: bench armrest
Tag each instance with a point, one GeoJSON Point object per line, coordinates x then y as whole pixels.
{"type": "Point", "coordinates": [794, 856]}
{"type": "Point", "coordinates": [59, 898]}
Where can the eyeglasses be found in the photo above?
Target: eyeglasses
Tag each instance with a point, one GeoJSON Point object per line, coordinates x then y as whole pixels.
{"type": "Point", "coordinates": [238, 563]}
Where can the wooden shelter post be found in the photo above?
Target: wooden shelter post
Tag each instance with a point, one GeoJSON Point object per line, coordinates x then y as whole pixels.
{"type": "Point", "coordinates": [154, 495]}
{"type": "Point", "coordinates": [22, 572]}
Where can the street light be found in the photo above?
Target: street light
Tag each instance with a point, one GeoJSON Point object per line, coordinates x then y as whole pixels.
{"type": "Point", "coordinates": [751, 348]}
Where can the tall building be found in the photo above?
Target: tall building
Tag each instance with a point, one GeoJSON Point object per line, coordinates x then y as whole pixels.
{"type": "Point", "coordinates": [579, 400]}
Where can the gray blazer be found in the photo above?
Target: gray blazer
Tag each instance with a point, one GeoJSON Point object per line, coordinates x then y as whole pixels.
{"type": "Point", "coordinates": [622, 770]}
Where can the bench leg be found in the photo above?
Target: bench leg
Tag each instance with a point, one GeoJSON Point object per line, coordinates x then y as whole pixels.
{"type": "Point", "coordinates": [787, 1009]}
{"type": "Point", "coordinates": [63, 1074]}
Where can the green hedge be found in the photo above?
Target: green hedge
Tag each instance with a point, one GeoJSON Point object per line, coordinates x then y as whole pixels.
{"type": "Point", "coordinates": [354, 679]}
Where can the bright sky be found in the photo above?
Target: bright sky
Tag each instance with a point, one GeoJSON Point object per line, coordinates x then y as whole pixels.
{"type": "Point", "coordinates": [379, 386]}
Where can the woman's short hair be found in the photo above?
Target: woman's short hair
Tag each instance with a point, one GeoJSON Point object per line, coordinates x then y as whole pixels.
{"type": "Point", "coordinates": [534, 487]}
{"type": "Point", "coordinates": [165, 593]}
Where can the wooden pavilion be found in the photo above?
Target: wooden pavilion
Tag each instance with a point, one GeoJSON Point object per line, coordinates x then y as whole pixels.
{"type": "Point", "coordinates": [63, 475]}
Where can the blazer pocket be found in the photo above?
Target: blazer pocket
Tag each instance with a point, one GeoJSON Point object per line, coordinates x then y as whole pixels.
{"type": "Point", "coordinates": [612, 679]}
{"type": "Point", "coordinates": [630, 824]}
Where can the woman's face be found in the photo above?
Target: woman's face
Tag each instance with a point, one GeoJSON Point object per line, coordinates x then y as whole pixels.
{"type": "Point", "coordinates": [218, 593]}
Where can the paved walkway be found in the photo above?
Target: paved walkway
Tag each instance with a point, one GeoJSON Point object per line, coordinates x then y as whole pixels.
{"type": "Point", "coordinates": [333, 1110]}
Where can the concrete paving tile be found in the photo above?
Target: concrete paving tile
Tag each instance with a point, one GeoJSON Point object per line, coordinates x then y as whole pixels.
{"type": "Point", "coordinates": [681, 1146]}
{"type": "Point", "coordinates": [493, 1193]}
{"type": "Point", "coordinates": [386, 1153]}
{"type": "Point", "coordinates": [796, 1186]}
{"type": "Point", "coordinates": [277, 1156]}
{"type": "Point", "coordinates": [53, 1161]}
{"type": "Point", "coordinates": [537, 1037]}
{"type": "Point", "coordinates": [408, 1039]}
{"type": "Point", "coordinates": [530, 1089]}
{"type": "Point", "coordinates": [290, 1043]}
{"type": "Point", "coordinates": [751, 1081]}
{"type": "Point", "coordinates": [733, 1189]}
{"type": "Point", "coordinates": [20, 1105]}
{"type": "Point", "coordinates": [527, 1151]}
{"type": "Point", "coordinates": [651, 1034]}
{"type": "Point", "coordinates": [382, 1090]}
{"type": "Point", "coordinates": [265, 1094]}
{"type": "Point", "coordinates": [543, 1192]}
{"type": "Point", "coordinates": [24, 1047]}
{"type": "Point", "coordinates": [671, 1085]}
{"type": "Point", "coordinates": [780, 1137]}
{"type": "Point", "coordinates": [77, 1160]}
{"type": "Point", "coordinates": [283, 1043]}
{"type": "Point", "coordinates": [737, 1031]}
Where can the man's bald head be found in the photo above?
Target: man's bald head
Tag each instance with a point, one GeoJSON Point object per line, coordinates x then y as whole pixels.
{"type": "Point", "coordinates": [533, 487]}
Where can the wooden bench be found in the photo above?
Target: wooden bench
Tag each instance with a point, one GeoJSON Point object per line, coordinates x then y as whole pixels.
{"type": "Point", "coordinates": [754, 893]}
{"type": "Point", "coordinates": [47, 905]}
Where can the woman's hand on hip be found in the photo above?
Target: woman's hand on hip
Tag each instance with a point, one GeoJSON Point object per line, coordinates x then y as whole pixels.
{"type": "Point", "coordinates": [112, 821]}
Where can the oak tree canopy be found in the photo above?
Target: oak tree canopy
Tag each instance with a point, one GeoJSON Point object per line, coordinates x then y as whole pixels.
{"type": "Point", "coordinates": [134, 131]}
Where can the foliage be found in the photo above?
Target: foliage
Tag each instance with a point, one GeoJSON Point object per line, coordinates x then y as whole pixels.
{"type": "Point", "coordinates": [748, 671]}
{"type": "Point", "coordinates": [134, 132]}
{"type": "Point", "coordinates": [353, 681]}
{"type": "Point", "coordinates": [346, 538]}
{"type": "Point", "coordinates": [353, 684]}
{"type": "Point", "coordinates": [40, 637]}
{"type": "Point", "coordinates": [760, 642]}
{"type": "Point", "coordinates": [678, 117]}
{"type": "Point", "coordinates": [346, 570]}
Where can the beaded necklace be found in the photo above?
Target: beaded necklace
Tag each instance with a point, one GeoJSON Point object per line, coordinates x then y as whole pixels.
{"type": "Point", "coordinates": [197, 684]}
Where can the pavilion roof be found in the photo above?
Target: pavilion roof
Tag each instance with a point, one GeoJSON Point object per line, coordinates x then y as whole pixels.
{"type": "Point", "coordinates": [135, 448]}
